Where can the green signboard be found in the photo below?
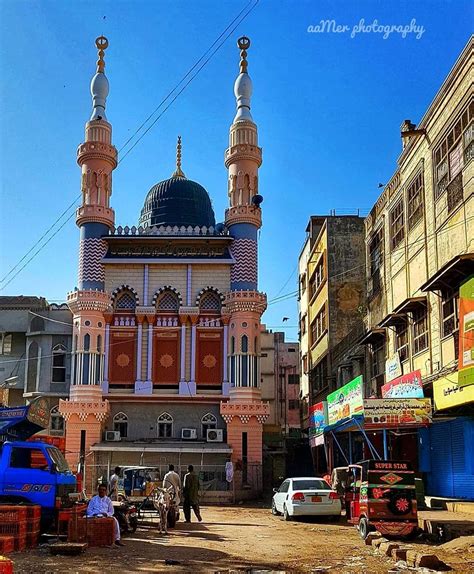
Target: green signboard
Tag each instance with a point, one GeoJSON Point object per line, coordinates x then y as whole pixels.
{"type": "Point", "coordinates": [346, 401]}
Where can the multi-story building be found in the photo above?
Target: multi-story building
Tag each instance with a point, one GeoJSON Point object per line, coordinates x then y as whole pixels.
{"type": "Point", "coordinates": [167, 312]}
{"type": "Point", "coordinates": [35, 354]}
{"type": "Point", "coordinates": [420, 249]}
{"type": "Point", "coordinates": [303, 335]}
{"type": "Point", "coordinates": [332, 305]}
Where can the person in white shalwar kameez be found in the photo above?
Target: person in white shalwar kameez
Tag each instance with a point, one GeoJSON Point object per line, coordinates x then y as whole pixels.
{"type": "Point", "coordinates": [99, 506]}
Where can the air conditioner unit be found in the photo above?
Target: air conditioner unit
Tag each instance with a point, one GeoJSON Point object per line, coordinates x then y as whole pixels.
{"type": "Point", "coordinates": [188, 434]}
{"type": "Point", "coordinates": [112, 435]}
{"type": "Point", "coordinates": [215, 435]}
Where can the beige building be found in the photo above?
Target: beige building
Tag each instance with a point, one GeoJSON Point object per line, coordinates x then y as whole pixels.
{"type": "Point", "coordinates": [420, 237]}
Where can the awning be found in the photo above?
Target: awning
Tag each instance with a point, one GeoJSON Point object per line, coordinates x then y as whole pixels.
{"type": "Point", "coordinates": [372, 336]}
{"type": "Point", "coordinates": [173, 447]}
{"type": "Point", "coordinates": [451, 274]}
{"type": "Point", "coordinates": [392, 320]}
{"type": "Point", "coordinates": [410, 305]}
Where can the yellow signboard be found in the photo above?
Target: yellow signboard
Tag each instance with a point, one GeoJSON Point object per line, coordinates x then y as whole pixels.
{"type": "Point", "coordinates": [448, 394]}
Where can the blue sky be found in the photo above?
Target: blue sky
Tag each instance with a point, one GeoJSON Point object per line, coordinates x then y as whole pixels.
{"type": "Point", "coordinates": [328, 109]}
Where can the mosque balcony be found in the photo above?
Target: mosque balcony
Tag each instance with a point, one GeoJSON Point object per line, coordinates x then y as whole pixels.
{"type": "Point", "coordinates": [245, 301]}
{"type": "Point", "coordinates": [95, 214]}
{"type": "Point", "coordinates": [84, 406]}
{"type": "Point", "coordinates": [243, 214]}
{"type": "Point", "coordinates": [168, 230]}
{"type": "Point", "coordinates": [88, 300]}
{"type": "Point", "coordinates": [241, 152]}
{"type": "Point", "coordinates": [93, 150]}
{"type": "Point", "coordinates": [245, 410]}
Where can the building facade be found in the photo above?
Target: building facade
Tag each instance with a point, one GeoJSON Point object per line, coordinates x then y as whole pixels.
{"type": "Point", "coordinates": [167, 312]}
{"type": "Point", "coordinates": [35, 354]}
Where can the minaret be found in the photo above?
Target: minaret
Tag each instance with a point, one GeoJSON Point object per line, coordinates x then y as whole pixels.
{"type": "Point", "coordinates": [244, 412]}
{"type": "Point", "coordinates": [97, 157]}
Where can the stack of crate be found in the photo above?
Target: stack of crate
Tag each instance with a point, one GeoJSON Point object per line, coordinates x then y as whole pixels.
{"type": "Point", "coordinates": [6, 565]}
{"type": "Point", "coordinates": [13, 524]}
{"type": "Point", "coordinates": [94, 531]}
{"type": "Point", "coordinates": [33, 523]}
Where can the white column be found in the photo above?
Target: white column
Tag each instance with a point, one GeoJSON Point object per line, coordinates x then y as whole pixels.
{"type": "Point", "coordinates": [105, 382]}
{"type": "Point", "coordinates": [139, 353]}
{"type": "Point", "coordinates": [188, 285]}
{"type": "Point", "coordinates": [183, 352]}
{"type": "Point", "coordinates": [193, 353]}
{"type": "Point", "coordinates": [225, 376]}
{"type": "Point", "coordinates": [145, 285]}
{"type": "Point", "coordinates": [149, 353]}
{"type": "Point", "coordinates": [73, 360]}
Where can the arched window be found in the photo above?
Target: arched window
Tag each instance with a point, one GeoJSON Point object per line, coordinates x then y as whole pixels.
{"type": "Point", "coordinates": [5, 344]}
{"type": "Point", "coordinates": [59, 364]}
{"type": "Point", "coordinates": [167, 302]}
{"type": "Point", "coordinates": [121, 424]}
{"type": "Point", "coordinates": [210, 302]}
{"type": "Point", "coordinates": [56, 422]}
{"type": "Point", "coordinates": [37, 324]}
{"type": "Point", "coordinates": [32, 374]}
{"type": "Point", "coordinates": [165, 426]}
{"type": "Point", "coordinates": [125, 301]}
{"type": "Point", "coordinates": [208, 421]}
{"type": "Point", "coordinates": [245, 344]}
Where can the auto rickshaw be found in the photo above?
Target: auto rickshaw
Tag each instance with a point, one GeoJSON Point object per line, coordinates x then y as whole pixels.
{"type": "Point", "coordinates": [382, 497]}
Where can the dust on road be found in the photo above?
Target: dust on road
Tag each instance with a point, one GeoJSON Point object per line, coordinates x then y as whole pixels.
{"type": "Point", "coordinates": [230, 538]}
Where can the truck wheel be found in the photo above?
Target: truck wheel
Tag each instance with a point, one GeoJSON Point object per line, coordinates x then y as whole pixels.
{"type": "Point", "coordinates": [363, 528]}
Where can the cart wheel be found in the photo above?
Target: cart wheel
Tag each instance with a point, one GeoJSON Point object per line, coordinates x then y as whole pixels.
{"type": "Point", "coordinates": [274, 509]}
{"type": "Point", "coordinates": [286, 516]}
{"type": "Point", "coordinates": [363, 528]}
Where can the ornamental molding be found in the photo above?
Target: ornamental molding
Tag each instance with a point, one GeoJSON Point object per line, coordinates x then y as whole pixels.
{"type": "Point", "coordinates": [95, 214]}
{"type": "Point", "coordinates": [161, 290]}
{"type": "Point", "coordinates": [124, 287]}
{"type": "Point", "coordinates": [243, 152]}
{"type": "Point", "coordinates": [245, 411]}
{"type": "Point", "coordinates": [88, 300]}
{"type": "Point", "coordinates": [243, 214]}
{"type": "Point", "coordinates": [205, 290]}
{"type": "Point", "coordinates": [245, 301]}
{"type": "Point", "coordinates": [84, 409]}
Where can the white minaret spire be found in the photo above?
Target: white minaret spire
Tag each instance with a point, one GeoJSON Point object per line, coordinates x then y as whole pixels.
{"type": "Point", "coordinates": [243, 84]}
{"type": "Point", "coordinates": [100, 83]}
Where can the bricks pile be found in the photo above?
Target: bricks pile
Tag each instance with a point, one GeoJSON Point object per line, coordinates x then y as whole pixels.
{"type": "Point", "coordinates": [19, 527]}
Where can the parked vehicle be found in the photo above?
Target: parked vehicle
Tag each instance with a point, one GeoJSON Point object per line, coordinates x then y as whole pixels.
{"type": "Point", "coordinates": [382, 497]}
{"type": "Point", "coordinates": [305, 496]}
{"type": "Point", "coordinates": [126, 514]}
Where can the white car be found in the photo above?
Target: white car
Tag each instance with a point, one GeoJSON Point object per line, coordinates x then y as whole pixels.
{"type": "Point", "coordinates": [305, 496]}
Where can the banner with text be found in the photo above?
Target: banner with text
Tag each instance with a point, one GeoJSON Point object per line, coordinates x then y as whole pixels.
{"type": "Point", "coordinates": [448, 393]}
{"type": "Point", "coordinates": [384, 413]}
{"type": "Point", "coordinates": [407, 386]}
{"type": "Point", "coordinates": [346, 401]}
{"type": "Point", "coordinates": [466, 333]}
{"type": "Point", "coordinates": [317, 418]}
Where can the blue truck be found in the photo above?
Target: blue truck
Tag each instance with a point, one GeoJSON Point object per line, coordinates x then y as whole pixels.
{"type": "Point", "coordinates": [32, 472]}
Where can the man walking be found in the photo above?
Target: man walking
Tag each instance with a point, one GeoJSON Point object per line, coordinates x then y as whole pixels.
{"type": "Point", "coordinates": [191, 495]}
{"type": "Point", "coordinates": [114, 483]}
{"type": "Point", "coordinates": [172, 478]}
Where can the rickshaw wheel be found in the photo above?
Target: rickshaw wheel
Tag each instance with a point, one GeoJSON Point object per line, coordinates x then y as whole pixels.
{"type": "Point", "coordinates": [363, 527]}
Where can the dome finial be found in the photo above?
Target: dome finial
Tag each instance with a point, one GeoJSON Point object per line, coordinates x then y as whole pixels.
{"type": "Point", "coordinates": [243, 83]}
{"type": "Point", "coordinates": [178, 172]}
{"type": "Point", "coordinates": [99, 83]}
{"type": "Point", "coordinates": [102, 44]}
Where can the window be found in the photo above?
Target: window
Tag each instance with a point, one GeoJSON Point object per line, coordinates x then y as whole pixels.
{"type": "Point", "coordinates": [420, 330]}
{"type": "Point", "coordinates": [208, 421]}
{"type": "Point", "coordinates": [56, 422]}
{"type": "Point", "coordinates": [401, 341]}
{"type": "Point", "coordinates": [319, 377]}
{"type": "Point", "coordinates": [165, 426]}
{"type": "Point", "coordinates": [167, 302]}
{"type": "Point", "coordinates": [232, 345]}
{"type": "Point", "coordinates": [293, 379]}
{"type": "Point", "coordinates": [121, 424]}
{"type": "Point", "coordinates": [291, 350]}
{"type": "Point", "coordinates": [37, 324]}
{"type": "Point", "coordinates": [376, 260]}
{"type": "Point", "coordinates": [210, 302]}
{"type": "Point", "coordinates": [449, 312]}
{"type": "Point", "coordinates": [453, 152]}
{"type": "Point", "coordinates": [317, 278]}
{"type": "Point", "coordinates": [28, 458]}
{"type": "Point", "coordinates": [415, 194]}
{"type": "Point", "coordinates": [5, 344]}
{"type": "Point", "coordinates": [285, 486]}
{"type": "Point", "coordinates": [245, 344]}
{"type": "Point", "coordinates": [125, 301]}
{"type": "Point", "coordinates": [397, 224]}
{"type": "Point", "coordinates": [293, 404]}
{"type": "Point", "coordinates": [303, 325]}
{"type": "Point", "coordinates": [59, 364]}
{"type": "Point", "coordinates": [378, 358]}
{"type": "Point", "coordinates": [318, 326]}
{"type": "Point", "coordinates": [303, 284]}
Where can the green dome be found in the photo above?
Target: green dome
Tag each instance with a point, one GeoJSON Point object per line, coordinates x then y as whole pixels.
{"type": "Point", "coordinates": [177, 201]}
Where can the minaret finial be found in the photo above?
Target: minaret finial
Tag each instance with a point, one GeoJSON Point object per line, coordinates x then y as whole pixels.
{"type": "Point", "coordinates": [244, 44]}
{"type": "Point", "coordinates": [102, 44]}
{"type": "Point", "coordinates": [178, 172]}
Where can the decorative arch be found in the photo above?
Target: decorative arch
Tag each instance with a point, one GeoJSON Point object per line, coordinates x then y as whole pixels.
{"type": "Point", "coordinates": [37, 324]}
{"type": "Point", "coordinates": [122, 291]}
{"type": "Point", "coordinates": [206, 290]}
{"type": "Point", "coordinates": [165, 425]}
{"type": "Point", "coordinates": [59, 363]}
{"type": "Point", "coordinates": [120, 422]}
{"type": "Point", "coordinates": [56, 422]}
{"type": "Point", "coordinates": [208, 421]}
{"type": "Point", "coordinates": [162, 290]}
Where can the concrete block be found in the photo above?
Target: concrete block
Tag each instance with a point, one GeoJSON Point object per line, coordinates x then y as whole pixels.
{"type": "Point", "coordinates": [399, 554]}
{"type": "Point", "coordinates": [378, 541]}
{"type": "Point", "coordinates": [429, 561]}
{"type": "Point", "coordinates": [387, 547]}
{"type": "Point", "coordinates": [372, 536]}
{"type": "Point", "coordinates": [411, 557]}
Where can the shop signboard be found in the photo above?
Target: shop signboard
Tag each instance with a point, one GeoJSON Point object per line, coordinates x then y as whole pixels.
{"type": "Point", "coordinates": [317, 418]}
{"type": "Point", "coordinates": [447, 393]}
{"type": "Point", "coordinates": [390, 413]}
{"type": "Point", "coordinates": [407, 386]}
{"type": "Point", "coordinates": [466, 333]}
{"type": "Point", "coordinates": [393, 367]}
{"type": "Point", "coordinates": [346, 401]}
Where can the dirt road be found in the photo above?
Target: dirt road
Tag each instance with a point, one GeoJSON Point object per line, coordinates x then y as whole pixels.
{"type": "Point", "coordinates": [230, 538]}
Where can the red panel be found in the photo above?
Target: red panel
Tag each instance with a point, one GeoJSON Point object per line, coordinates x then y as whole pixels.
{"type": "Point", "coordinates": [209, 358]}
{"type": "Point", "coordinates": [122, 357]}
{"type": "Point", "coordinates": [166, 358]}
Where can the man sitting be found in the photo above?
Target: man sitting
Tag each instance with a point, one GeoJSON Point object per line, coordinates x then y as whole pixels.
{"type": "Point", "coordinates": [100, 506]}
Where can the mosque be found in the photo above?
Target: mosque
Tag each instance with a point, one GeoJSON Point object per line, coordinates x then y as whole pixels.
{"type": "Point", "coordinates": [166, 313]}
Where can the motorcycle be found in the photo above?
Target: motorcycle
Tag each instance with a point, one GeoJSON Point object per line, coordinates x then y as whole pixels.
{"type": "Point", "coordinates": [126, 514]}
